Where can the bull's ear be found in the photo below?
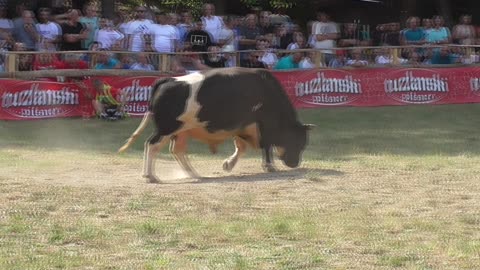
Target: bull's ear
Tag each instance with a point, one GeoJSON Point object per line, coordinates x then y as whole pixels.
{"type": "Point", "coordinates": [309, 126]}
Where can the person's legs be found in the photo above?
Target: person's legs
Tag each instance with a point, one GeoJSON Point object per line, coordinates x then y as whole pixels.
{"type": "Point", "coordinates": [98, 107]}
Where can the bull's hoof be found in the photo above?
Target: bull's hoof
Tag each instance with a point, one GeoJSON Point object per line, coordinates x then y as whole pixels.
{"type": "Point", "coordinates": [192, 174]}
{"type": "Point", "coordinates": [269, 168]}
{"type": "Point", "coordinates": [228, 165]}
{"type": "Point", "coordinates": [151, 179]}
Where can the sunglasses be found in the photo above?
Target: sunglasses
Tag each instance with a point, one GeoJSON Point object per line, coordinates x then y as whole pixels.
{"type": "Point", "coordinates": [141, 11]}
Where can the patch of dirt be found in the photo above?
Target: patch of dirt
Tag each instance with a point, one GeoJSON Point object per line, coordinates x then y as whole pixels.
{"type": "Point", "coordinates": [112, 170]}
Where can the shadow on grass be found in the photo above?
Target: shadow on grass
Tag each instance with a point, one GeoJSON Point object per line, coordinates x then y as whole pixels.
{"type": "Point", "coordinates": [284, 175]}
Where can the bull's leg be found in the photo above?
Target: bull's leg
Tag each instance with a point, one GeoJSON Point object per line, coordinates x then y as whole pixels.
{"type": "Point", "coordinates": [266, 146]}
{"type": "Point", "coordinates": [268, 160]}
{"type": "Point", "coordinates": [240, 147]}
{"type": "Point", "coordinates": [178, 148]}
{"type": "Point", "coordinates": [152, 147]}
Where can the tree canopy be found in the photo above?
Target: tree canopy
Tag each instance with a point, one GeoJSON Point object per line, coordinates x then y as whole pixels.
{"type": "Point", "coordinates": [195, 5]}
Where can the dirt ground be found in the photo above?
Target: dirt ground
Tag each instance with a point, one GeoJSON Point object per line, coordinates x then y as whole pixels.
{"type": "Point", "coordinates": [113, 170]}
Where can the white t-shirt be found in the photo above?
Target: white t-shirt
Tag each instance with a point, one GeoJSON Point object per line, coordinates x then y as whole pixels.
{"type": "Point", "coordinates": [164, 37]}
{"type": "Point", "coordinates": [270, 59]}
{"type": "Point", "coordinates": [138, 66]}
{"type": "Point", "coordinates": [293, 46]}
{"type": "Point", "coordinates": [356, 62]}
{"type": "Point", "coordinates": [136, 29]}
{"type": "Point", "coordinates": [213, 26]}
{"type": "Point", "coordinates": [383, 60]}
{"type": "Point", "coordinates": [108, 37]}
{"type": "Point", "coordinates": [48, 31]}
{"type": "Point", "coordinates": [123, 27]}
{"type": "Point", "coordinates": [324, 28]}
{"type": "Point", "coordinates": [306, 63]}
{"type": "Point", "coordinates": [228, 35]}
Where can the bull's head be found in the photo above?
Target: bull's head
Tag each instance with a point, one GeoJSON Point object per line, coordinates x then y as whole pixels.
{"type": "Point", "coordinates": [291, 144]}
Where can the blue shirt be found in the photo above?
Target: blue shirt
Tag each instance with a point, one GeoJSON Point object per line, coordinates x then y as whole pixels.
{"type": "Point", "coordinates": [414, 35]}
{"type": "Point", "coordinates": [286, 63]}
{"type": "Point", "coordinates": [439, 59]}
{"type": "Point", "coordinates": [111, 64]}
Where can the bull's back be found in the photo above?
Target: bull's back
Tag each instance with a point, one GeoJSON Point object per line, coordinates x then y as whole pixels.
{"type": "Point", "coordinates": [229, 98]}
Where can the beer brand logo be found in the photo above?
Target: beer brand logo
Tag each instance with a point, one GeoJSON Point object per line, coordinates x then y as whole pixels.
{"type": "Point", "coordinates": [338, 88]}
{"type": "Point", "coordinates": [137, 94]}
{"type": "Point", "coordinates": [416, 86]}
{"type": "Point", "coordinates": [38, 102]}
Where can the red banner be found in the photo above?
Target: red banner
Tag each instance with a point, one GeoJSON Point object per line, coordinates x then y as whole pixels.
{"type": "Point", "coordinates": [26, 100]}
{"type": "Point", "coordinates": [306, 89]}
{"type": "Point", "coordinates": [137, 91]}
{"type": "Point", "coordinates": [381, 87]}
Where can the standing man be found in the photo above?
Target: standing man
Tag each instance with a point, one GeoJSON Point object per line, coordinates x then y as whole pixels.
{"type": "Point", "coordinates": [185, 26]}
{"type": "Point", "coordinates": [73, 32]}
{"type": "Point", "coordinates": [248, 34]}
{"type": "Point", "coordinates": [24, 30]}
{"type": "Point", "coordinates": [49, 32]}
{"type": "Point", "coordinates": [164, 35]}
{"type": "Point", "coordinates": [325, 34]}
{"type": "Point", "coordinates": [211, 23]}
{"type": "Point", "coordinates": [91, 22]}
{"type": "Point", "coordinates": [138, 31]}
{"type": "Point", "coordinates": [198, 40]}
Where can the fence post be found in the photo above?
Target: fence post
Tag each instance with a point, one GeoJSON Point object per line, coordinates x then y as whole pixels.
{"type": "Point", "coordinates": [159, 59]}
{"type": "Point", "coordinates": [165, 63]}
{"type": "Point", "coordinates": [319, 58]}
{"type": "Point", "coordinates": [470, 53]}
{"type": "Point", "coordinates": [395, 59]}
{"type": "Point", "coordinates": [93, 60]}
{"type": "Point", "coordinates": [237, 59]}
{"type": "Point", "coordinates": [11, 62]}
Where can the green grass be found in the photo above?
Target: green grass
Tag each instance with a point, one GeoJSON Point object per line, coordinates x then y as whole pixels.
{"type": "Point", "coordinates": [381, 188]}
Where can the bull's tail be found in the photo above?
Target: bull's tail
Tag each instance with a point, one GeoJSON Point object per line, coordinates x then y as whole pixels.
{"type": "Point", "coordinates": [137, 132]}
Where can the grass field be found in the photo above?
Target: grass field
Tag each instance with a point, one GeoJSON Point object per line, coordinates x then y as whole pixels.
{"type": "Point", "coordinates": [380, 188]}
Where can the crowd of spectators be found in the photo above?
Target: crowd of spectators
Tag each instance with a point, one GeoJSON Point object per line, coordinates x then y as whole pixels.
{"type": "Point", "coordinates": [210, 41]}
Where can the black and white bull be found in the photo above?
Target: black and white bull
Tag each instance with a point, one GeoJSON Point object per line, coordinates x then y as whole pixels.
{"type": "Point", "coordinates": [249, 105]}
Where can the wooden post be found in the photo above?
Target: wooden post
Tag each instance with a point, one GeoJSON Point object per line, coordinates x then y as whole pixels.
{"type": "Point", "coordinates": [319, 57]}
{"type": "Point", "coordinates": [93, 60]}
{"type": "Point", "coordinates": [395, 56]}
{"type": "Point", "coordinates": [12, 62]}
{"type": "Point", "coordinates": [469, 52]}
{"type": "Point", "coordinates": [237, 59]}
{"type": "Point", "coordinates": [165, 63]}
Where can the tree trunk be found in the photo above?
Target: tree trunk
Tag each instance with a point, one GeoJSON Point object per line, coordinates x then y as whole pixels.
{"type": "Point", "coordinates": [409, 8]}
{"type": "Point", "coordinates": [108, 8]}
{"type": "Point", "coordinates": [445, 10]}
{"type": "Point", "coordinates": [78, 4]}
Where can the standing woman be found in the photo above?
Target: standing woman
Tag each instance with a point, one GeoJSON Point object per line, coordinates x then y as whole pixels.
{"type": "Point", "coordinates": [439, 34]}
{"type": "Point", "coordinates": [464, 31]}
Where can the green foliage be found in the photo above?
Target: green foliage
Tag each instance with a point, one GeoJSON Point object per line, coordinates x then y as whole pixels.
{"type": "Point", "coordinates": [195, 6]}
{"type": "Point", "coordinates": [276, 4]}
